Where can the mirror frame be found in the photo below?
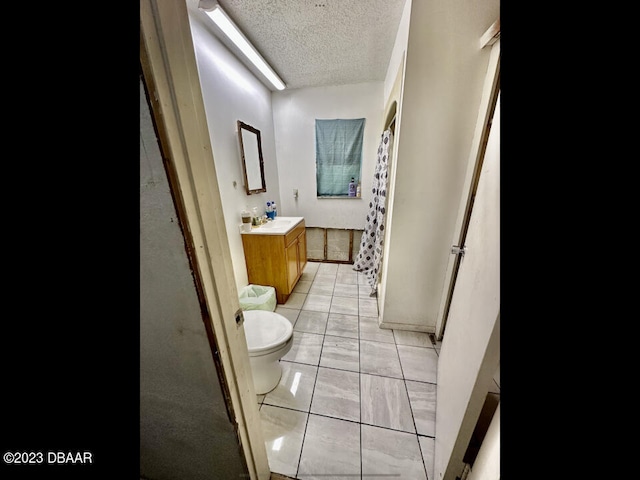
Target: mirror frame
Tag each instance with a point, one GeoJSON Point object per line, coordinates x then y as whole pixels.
{"type": "Point", "coordinates": [250, 164]}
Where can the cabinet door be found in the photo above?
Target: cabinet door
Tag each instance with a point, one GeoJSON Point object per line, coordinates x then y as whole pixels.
{"type": "Point", "coordinates": [302, 251]}
{"type": "Point", "coordinates": [293, 261]}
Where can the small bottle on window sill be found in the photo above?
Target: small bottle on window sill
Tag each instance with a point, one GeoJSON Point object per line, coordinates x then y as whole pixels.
{"type": "Point", "coordinates": [352, 187]}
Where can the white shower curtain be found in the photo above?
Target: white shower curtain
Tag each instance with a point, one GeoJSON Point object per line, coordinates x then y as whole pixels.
{"type": "Point", "coordinates": [370, 255]}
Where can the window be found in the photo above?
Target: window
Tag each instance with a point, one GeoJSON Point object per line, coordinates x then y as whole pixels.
{"type": "Point", "coordinates": [338, 155]}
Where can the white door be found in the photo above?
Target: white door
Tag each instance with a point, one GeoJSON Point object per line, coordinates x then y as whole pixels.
{"type": "Point", "coordinates": [470, 348]}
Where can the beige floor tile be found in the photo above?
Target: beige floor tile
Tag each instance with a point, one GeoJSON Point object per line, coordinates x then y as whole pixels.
{"type": "Point", "coordinates": [388, 452]}
{"type": "Point", "coordinates": [283, 432]}
{"type": "Point", "coordinates": [311, 322]}
{"type": "Point", "coordinates": [345, 305]}
{"type": "Point", "coordinates": [379, 359]}
{"type": "Point", "coordinates": [324, 279]}
{"type": "Point", "coordinates": [346, 268]}
{"type": "Point", "coordinates": [321, 288]}
{"type": "Point", "coordinates": [331, 447]}
{"type": "Point", "coordinates": [290, 313]}
{"type": "Point", "coordinates": [368, 307]}
{"type": "Point", "coordinates": [384, 403]}
{"type": "Point", "coordinates": [340, 352]}
{"type": "Point", "coordinates": [422, 398]}
{"type": "Point", "coordinates": [341, 325]}
{"type": "Point", "coordinates": [318, 303]}
{"type": "Point", "coordinates": [416, 339]}
{"type": "Point", "coordinates": [307, 276]}
{"type": "Point", "coordinates": [350, 278]}
{"type": "Point", "coordinates": [328, 269]}
{"type": "Point", "coordinates": [302, 286]}
{"type": "Point", "coordinates": [418, 363]}
{"type": "Point", "coordinates": [369, 330]}
{"type": "Point", "coordinates": [345, 290]}
{"type": "Point", "coordinates": [428, 448]}
{"type": "Point", "coordinates": [295, 301]}
{"type": "Point", "coordinates": [337, 394]}
{"type": "Point", "coordinates": [295, 387]}
{"type": "Point", "coordinates": [306, 348]}
{"type": "Point", "coordinates": [364, 291]}
{"type": "Point", "coordinates": [311, 267]}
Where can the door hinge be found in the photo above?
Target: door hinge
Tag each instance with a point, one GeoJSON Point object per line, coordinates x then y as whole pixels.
{"type": "Point", "coordinates": [458, 250]}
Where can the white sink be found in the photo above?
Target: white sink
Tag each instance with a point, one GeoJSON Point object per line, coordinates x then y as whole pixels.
{"type": "Point", "coordinates": [277, 223]}
{"type": "Point", "coordinates": [278, 226]}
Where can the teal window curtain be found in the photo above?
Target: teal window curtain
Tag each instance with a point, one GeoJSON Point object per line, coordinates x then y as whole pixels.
{"type": "Point", "coordinates": [338, 155]}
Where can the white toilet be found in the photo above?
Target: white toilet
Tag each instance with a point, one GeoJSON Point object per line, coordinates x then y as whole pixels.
{"type": "Point", "coordinates": [269, 337]}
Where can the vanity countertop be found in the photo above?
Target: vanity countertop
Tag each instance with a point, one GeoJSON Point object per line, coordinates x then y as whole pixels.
{"type": "Point", "coordinates": [279, 226]}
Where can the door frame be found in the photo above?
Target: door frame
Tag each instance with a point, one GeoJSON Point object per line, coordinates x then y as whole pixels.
{"type": "Point", "coordinates": [474, 167]}
{"type": "Point", "coordinates": [170, 72]}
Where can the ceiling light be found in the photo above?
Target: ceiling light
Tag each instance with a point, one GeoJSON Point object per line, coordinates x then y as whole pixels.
{"type": "Point", "coordinates": [222, 20]}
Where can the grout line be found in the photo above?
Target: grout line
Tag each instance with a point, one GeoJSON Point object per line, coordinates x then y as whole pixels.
{"type": "Point", "coordinates": [347, 420]}
{"type": "Point", "coordinates": [304, 435]}
{"type": "Point", "coordinates": [413, 417]}
{"type": "Point", "coordinates": [306, 425]}
{"type": "Point", "coordinates": [353, 371]}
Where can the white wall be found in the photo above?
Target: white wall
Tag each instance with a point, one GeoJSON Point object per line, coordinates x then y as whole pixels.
{"type": "Point", "coordinates": [444, 74]}
{"type": "Point", "coordinates": [231, 93]}
{"type": "Point", "coordinates": [294, 113]}
{"type": "Point", "coordinates": [399, 48]}
{"type": "Point", "coordinates": [393, 89]}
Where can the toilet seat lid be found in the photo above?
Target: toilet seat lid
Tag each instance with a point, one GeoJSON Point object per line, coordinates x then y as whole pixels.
{"type": "Point", "coordinates": [264, 329]}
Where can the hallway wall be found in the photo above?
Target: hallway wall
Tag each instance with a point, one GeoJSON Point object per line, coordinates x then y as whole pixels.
{"type": "Point", "coordinates": [444, 75]}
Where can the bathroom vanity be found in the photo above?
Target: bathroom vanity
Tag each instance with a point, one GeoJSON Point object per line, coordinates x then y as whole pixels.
{"type": "Point", "coordinates": [275, 254]}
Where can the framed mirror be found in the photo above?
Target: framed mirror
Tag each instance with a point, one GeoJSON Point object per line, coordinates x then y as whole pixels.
{"type": "Point", "coordinates": [252, 162]}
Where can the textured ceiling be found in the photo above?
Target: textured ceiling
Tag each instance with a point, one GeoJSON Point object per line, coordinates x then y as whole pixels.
{"type": "Point", "coordinates": [320, 42]}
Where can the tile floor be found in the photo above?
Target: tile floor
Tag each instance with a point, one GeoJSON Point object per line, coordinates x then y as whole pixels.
{"type": "Point", "coordinates": [354, 400]}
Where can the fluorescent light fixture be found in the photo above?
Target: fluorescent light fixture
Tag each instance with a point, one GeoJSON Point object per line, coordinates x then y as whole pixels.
{"type": "Point", "coordinates": [222, 20]}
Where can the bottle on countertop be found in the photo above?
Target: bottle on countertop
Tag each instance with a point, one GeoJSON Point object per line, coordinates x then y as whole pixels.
{"type": "Point", "coordinates": [358, 190]}
{"type": "Point", "coordinates": [352, 187]}
{"type": "Point", "coordinates": [270, 210]}
{"type": "Point", "coordinates": [246, 220]}
{"type": "Point", "coordinates": [275, 209]}
{"type": "Point", "coordinates": [246, 215]}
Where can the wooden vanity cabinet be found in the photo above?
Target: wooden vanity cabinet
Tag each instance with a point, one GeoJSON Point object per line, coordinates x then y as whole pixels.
{"type": "Point", "coordinates": [276, 260]}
